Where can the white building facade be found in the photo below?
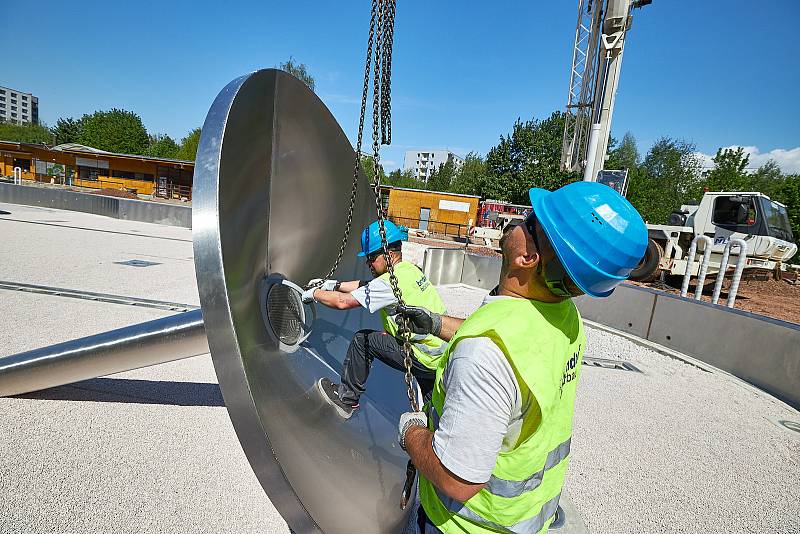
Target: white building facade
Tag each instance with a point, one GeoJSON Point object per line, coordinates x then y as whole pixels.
{"type": "Point", "coordinates": [18, 107]}
{"type": "Point", "coordinates": [422, 162]}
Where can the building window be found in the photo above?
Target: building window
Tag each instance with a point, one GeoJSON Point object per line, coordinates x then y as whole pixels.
{"type": "Point", "coordinates": [14, 115]}
{"type": "Point", "coordinates": [13, 108]}
{"type": "Point", "coordinates": [24, 117]}
{"type": "Point", "coordinates": [13, 95]}
{"type": "Point", "coordinates": [2, 105]}
{"type": "Point", "coordinates": [24, 104]}
{"type": "Point", "coordinates": [89, 173]}
{"type": "Point", "coordinates": [24, 97]}
{"type": "Point", "coordinates": [2, 99]}
{"type": "Point", "coordinates": [13, 101]}
{"type": "Point", "coordinates": [24, 164]}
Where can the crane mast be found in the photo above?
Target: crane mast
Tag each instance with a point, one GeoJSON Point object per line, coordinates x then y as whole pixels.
{"type": "Point", "coordinates": [596, 61]}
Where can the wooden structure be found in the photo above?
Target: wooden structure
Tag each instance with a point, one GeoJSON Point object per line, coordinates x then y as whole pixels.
{"type": "Point", "coordinates": [81, 166]}
{"type": "Point", "coordinates": [433, 211]}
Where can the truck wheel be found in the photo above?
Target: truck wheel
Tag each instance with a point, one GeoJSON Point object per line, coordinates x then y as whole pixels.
{"type": "Point", "coordinates": [647, 270]}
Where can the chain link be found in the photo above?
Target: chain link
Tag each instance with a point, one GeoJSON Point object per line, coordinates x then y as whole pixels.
{"type": "Point", "coordinates": [380, 42]}
{"type": "Point", "coordinates": [357, 164]}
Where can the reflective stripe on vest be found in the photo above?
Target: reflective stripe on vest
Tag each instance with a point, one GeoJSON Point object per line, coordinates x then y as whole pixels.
{"type": "Point", "coordinates": [526, 526]}
{"type": "Point", "coordinates": [514, 488]}
{"type": "Point", "coordinates": [528, 478]}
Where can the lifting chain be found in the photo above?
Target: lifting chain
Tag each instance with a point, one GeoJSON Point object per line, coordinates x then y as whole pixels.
{"type": "Point", "coordinates": [381, 40]}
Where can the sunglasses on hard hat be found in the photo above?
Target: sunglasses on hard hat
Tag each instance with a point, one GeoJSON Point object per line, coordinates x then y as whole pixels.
{"type": "Point", "coordinates": [555, 276]}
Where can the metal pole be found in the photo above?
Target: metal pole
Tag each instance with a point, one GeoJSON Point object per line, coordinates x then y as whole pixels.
{"type": "Point", "coordinates": [701, 277]}
{"type": "Point", "coordinates": [690, 260]}
{"type": "Point", "coordinates": [151, 343]}
{"type": "Point", "coordinates": [737, 274]}
{"type": "Point", "coordinates": [17, 175]}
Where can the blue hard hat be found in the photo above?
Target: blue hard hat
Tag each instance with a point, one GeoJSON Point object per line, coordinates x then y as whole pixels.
{"type": "Point", "coordinates": [598, 236]}
{"type": "Point", "coordinates": [371, 236]}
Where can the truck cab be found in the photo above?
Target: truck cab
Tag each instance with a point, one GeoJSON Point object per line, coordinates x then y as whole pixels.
{"type": "Point", "coordinates": [751, 216]}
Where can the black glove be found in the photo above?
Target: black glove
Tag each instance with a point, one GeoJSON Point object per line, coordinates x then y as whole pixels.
{"type": "Point", "coordinates": [421, 320]}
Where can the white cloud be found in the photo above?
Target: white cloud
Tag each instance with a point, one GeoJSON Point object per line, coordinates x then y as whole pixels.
{"type": "Point", "coordinates": [787, 159]}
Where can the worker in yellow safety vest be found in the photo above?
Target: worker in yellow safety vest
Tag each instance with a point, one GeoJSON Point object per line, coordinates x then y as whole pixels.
{"type": "Point", "coordinates": [376, 295]}
{"type": "Point", "coordinates": [493, 449]}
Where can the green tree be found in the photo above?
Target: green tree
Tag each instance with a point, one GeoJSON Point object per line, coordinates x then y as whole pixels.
{"type": "Point", "coordinates": [299, 71]}
{"type": "Point", "coordinates": [406, 179]}
{"type": "Point", "coordinates": [529, 157]}
{"type": "Point", "coordinates": [116, 131]}
{"type": "Point", "coordinates": [471, 177]}
{"type": "Point", "coordinates": [666, 179]}
{"type": "Point", "coordinates": [624, 156]}
{"type": "Point", "coordinates": [25, 133]}
{"type": "Point", "coordinates": [729, 172]}
{"type": "Point", "coordinates": [188, 148]}
{"type": "Point", "coordinates": [162, 146]}
{"type": "Point", "coordinates": [788, 192]}
{"type": "Point", "coordinates": [441, 177]}
{"type": "Point", "coordinates": [67, 131]}
{"type": "Point", "coordinates": [368, 169]}
{"type": "Point", "coordinates": [768, 179]}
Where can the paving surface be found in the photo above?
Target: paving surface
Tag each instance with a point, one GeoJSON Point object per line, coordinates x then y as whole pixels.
{"type": "Point", "coordinates": [672, 449]}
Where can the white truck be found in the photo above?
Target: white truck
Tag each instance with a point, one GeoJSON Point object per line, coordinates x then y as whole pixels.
{"type": "Point", "coordinates": [762, 223]}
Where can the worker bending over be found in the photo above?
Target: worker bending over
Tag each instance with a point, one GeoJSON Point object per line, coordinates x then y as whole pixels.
{"type": "Point", "coordinates": [493, 449]}
{"type": "Point", "coordinates": [367, 345]}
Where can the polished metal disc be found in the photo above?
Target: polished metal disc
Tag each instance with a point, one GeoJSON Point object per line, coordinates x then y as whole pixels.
{"type": "Point", "coordinates": [271, 189]}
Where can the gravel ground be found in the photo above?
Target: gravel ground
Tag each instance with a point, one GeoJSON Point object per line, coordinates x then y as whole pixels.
{"type": "Point", "coordinates": [153, 451]}
{"type": "Point", "coordinates": [675, 448]}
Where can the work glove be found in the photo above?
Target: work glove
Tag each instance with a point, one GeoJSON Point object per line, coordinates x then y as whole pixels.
{"type": "Point", "coordinates": [407, 420]}
{"type": "Point", "coordinates": [325, 285]}
{"type": "Point", "coordinates": [308, 295]}
{"type": "Point", "coordinates": [421, 320]}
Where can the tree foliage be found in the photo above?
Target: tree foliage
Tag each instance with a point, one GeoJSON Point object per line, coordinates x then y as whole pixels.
{"type": "Point", "coordinates": [470, 177]}
{"type": "Point", "coordinates": [665, 180]}
{"type": "Point", "coordinates": [442, 177]}
{"type": "Point", "coordinates": [115, 131]}
{"type": "Point", "coordinates": [406, 179]}
{"type": "Point", "coordinates": [162, 146]}
{"type": "Point", "coordinates": [299, 71]}
{"type": "Point", "coordinates": [624, 156]}
{"type": "Point", "coordinates": [188, 147]}
{"type": "Point", "coordinates": [25, 133]}
{"type": "Point", "coordinates": [67, 131]}
{"type": "Point", "coordinates": [529, 157]}
{"type": "Point", "coordinates": [729, 172]}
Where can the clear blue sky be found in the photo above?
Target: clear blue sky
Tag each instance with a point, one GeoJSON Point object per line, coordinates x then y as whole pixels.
{"type": "Point", "coordinates": [716, 72]}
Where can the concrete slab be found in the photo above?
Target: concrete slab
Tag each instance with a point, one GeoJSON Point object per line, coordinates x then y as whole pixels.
{"type": "Point", "coordinates": [152, 450]}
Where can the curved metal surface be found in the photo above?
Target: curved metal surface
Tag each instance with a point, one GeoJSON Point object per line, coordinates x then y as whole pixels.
{"type": "Point", "coordinates": [272, 182]}
{"type": "Point", "coordinates": [141, 345]}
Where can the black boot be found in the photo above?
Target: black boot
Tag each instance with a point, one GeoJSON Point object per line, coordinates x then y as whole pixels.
{"type": "Point", "coordinates": [330, 394]}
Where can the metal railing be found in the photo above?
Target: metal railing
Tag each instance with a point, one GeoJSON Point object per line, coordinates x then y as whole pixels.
{"type": "Point", "coordinates": [701, 276]}
{"type": "Point", "coordinates": [433, 226]}
{"type": "Point", "coordinates": [737, 273]}
{"type": "Point", "coordinates": [173, 191]}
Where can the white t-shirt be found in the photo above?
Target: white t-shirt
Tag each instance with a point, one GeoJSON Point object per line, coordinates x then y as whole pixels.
{"type": "Point", "coordinates": [375, 295]}
{"type": "Point", "coordinates": [483, 409]}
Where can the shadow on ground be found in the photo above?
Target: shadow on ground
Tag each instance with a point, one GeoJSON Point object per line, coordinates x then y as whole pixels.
{"type": "Point", "coordinates": [135, 392]}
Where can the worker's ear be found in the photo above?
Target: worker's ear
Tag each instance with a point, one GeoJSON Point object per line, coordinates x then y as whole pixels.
{"type": "Point", "coordinates": [527, 260]}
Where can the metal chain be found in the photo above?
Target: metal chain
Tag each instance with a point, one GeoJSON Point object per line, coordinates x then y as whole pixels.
{"type": "Point", "coordinates": [381, 115]}
{"type": "Point", "coordinates": [357, 164]}
{"type": "Point", "coordinates": [381, 40]}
